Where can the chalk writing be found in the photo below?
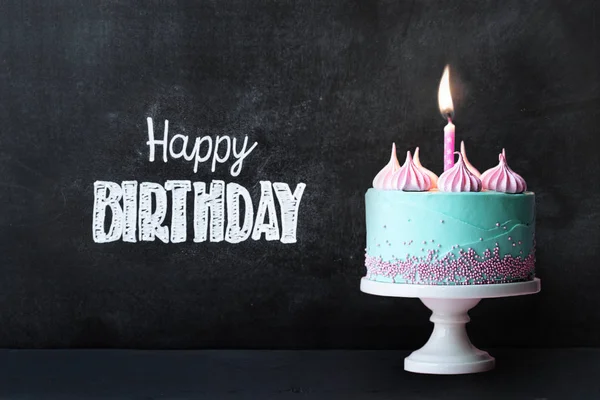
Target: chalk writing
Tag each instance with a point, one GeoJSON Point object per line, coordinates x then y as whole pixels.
{"type": "Point", "coordinates": [202, 150]}
{"type": "Point", "coordinates": [152, 211]}
{"type": "Point", "coordinates": [221, 211]}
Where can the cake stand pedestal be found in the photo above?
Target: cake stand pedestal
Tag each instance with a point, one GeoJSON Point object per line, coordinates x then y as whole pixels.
{"type": "Point", "coordinates": [449, 350]}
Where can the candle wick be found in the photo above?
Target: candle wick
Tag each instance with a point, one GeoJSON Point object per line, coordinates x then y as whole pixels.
{"type": "Point", "coordinates": [449, 119]}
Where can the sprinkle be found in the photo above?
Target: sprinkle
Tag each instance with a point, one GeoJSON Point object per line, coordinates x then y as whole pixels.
{"type": "Point", "coordinates": [497, 223]}
{"type": "Point", "coordinates": [504, 227]}
{"type": "Point", "coordinates": [470, 268]}
{"type": "Point", "coordinates": [441, 221]}
{"type": "Point", "coordinates": [424, 241]}
{"type": "Point", "coordinates": [480, 239]}
{"type": "Point", "coordinates": [509, 238]}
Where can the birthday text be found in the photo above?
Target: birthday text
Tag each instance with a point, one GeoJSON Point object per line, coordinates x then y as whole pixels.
{"type": "Point", "coordinates": [138, 212]}
{"type": "Point", "coordinates": [221, 211]}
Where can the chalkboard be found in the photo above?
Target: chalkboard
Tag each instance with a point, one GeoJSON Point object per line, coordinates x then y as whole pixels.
{"type": "Point", "coordinates": [315, 92]}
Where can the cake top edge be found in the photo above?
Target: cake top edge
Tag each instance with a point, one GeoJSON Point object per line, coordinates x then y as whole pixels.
{"type": "Point", "coordinates": [440, 193]}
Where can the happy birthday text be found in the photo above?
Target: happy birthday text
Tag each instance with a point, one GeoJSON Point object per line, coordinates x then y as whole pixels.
{"type": "Point", "coordinates": [221, 211]}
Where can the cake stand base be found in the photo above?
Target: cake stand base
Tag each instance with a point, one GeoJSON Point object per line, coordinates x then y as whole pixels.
{"type": "Point", "coordinates": [449, 350]}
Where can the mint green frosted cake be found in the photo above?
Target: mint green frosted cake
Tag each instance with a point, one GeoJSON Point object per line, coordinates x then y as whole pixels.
{"type": "Point", "coordinates": [437, 238]}
{"type": "Point", "coordinates": [464, 228]}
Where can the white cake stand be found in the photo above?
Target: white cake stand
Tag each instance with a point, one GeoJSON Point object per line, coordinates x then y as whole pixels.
{"type": "Point", "coordinates": [449, 350]}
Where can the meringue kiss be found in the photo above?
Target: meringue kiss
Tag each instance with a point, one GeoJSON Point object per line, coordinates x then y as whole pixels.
{"type": "Point", "coordinates": [411, 178]}
{"type": "Point", "coordinates": [469, 166]}
{"type": "Point", "coordinates": [432, 176]}
{"type": "Point", "coordinates": [503, 179]}
{"type": "Point", "coordinates": [383, 180]}
{"type": "Point", "coordinates": [459, 178]}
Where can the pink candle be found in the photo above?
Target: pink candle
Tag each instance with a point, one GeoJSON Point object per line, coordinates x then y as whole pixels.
{"type": "Point", "coordinates": [447, 108]}
{"type": "Point", "coordinates": [449, 145]}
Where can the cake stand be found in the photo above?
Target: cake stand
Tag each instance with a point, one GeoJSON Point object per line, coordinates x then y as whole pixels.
{"type": "Point", "coordinates": [449, 350]}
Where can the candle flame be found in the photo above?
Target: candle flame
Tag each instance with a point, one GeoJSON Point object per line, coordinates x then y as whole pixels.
{"type": "Point", "coordinates": [444, 95]}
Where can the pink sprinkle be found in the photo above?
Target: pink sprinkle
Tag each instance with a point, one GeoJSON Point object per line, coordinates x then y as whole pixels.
{"type": "Point", "coordinates": [470, 268]}
{"type": "Point", "coordinates": [509, 238]}
{"type": "Point", "coordinates": [497, 223]}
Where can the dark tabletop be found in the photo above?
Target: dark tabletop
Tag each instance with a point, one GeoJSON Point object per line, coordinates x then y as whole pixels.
{"type": "Point", "coordinates": [335, 374]}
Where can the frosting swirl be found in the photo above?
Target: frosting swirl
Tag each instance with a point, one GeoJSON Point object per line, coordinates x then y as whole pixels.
{"type": "Point", "coordinates": [503, 179]}
{"type": "Point", "coordinates": [459, 178]}
{"type": "Point", "coordinates": [411, 178]}
{"type": "Point", "coordinates": [432, 176]}
{"type": "Point", "coordinates": [469, 166]}
{"type": "Point", "coordinates": [383, 180]}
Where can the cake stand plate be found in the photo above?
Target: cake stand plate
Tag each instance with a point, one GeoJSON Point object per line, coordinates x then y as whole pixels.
{"type": "Point", "coordinates": [449, 350]}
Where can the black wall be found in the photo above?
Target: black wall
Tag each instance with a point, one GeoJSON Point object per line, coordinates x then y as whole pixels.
{"type": "Point", "coordinates": [324, 87]}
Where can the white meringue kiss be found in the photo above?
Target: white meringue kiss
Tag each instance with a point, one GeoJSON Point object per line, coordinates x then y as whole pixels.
{"type": "Point", "coordinates": [503, 179]}
{"type": "Point", "coordinates": [383, 180]}
{"type": "Point", "coordinates": [459, 178]}
{"type": "Point", "coordinates": [432, 176]}
{"type": "Point", "coordinates": [410, 178]}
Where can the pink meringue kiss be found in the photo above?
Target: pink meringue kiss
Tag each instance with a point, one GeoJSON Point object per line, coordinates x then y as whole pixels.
{"type": "Point", "coordinates": [459, 178]}
{"type": "Point", "coordinates": [432, 176]}
{"type": "Point", "coordinates": [470, 167]}
{"type": "Point", "coordinates": [410, 178]}
{"type": "Point", "coordinates": [383, 180]}
{"type": "Point", "coordinates": [503, 179]}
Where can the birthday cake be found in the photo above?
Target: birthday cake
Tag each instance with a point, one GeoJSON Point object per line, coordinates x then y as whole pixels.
{"type": "Point", "coordinates": [463, 228]}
